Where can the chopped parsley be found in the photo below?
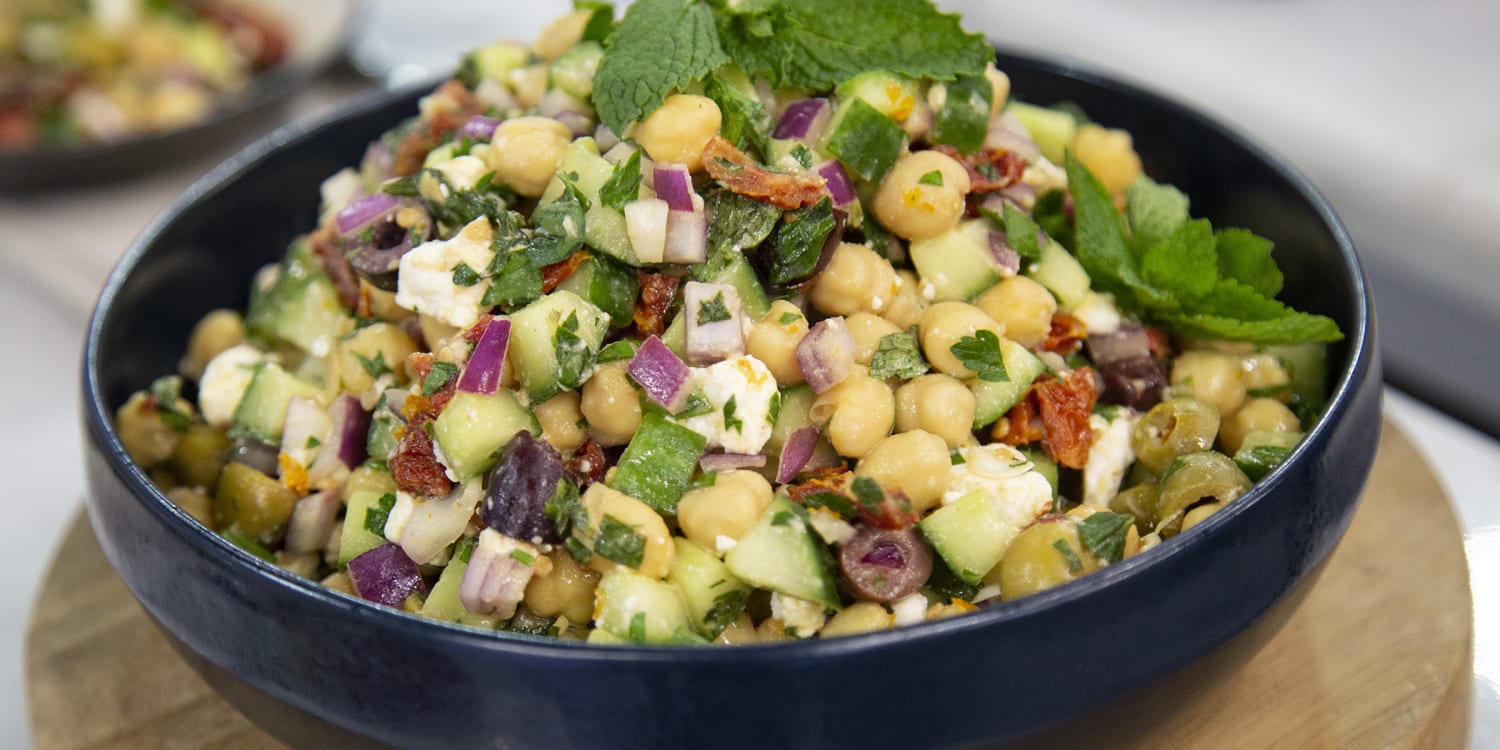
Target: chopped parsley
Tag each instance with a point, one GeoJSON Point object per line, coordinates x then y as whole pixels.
{"type": "Point", "coordinates": [732, 422]}
{"type": "Point", "coordinates": [165, 393]}
{"type": "Point", "coordinates": [1070, 557]}
{"type": "Point", "coordinates": [782, 518]}
{"type": "Point", "coordinates": [579, 551]}
{"type": "Point", "coordinates": [617, 351]}
{"type": "Point", "coordinates": [897, 357]}
{"type": "Point", "coordinates": [620, 543]}
{"type": "Point", "coordinates": [441, 373]}
{"type": "Point", "coordinates": [867, 491]}
{"type": "Point", "coordinates": [373, 366]}
{"type": "Point", "coordinates": [522, 556]}
{"type": "Point", "coordinates": [981, 353]}
{"type": "Point", "coordinates": [1104, 535]}
{"type": "Point", "coordinates": [802, 156]}
{"type": "Point", "coordinates": [573, 355]}
{"type": "Point", "coordinates": [463, 549]}
{"type": "Point", "coordinates": [312, 442]}
{"type": "Point", "coordinates": [377, 515]}
{"type": "Point", "coordinates": [833, 501]}
{"type": "Point", "coordinates": [935, 177]}
{"type": "Point", "coordinates": [464, 275]}
{"type": "Point", "coordinates": [624, 184]}
{"type": "Point", "coordinates": [637, 633]}
{"type": "Point", "coordinates": [713, 310]}
{"type": "Point", "coordinates": [726, 609]}
{"type": "Point", "coordinates": [787, 319]}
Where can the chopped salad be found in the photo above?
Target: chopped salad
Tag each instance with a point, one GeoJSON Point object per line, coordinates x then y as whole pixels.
{"type": "Point", "coordinates": [664, 330]}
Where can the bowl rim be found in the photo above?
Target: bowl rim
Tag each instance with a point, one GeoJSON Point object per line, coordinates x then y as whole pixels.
{"type": "Point", "coordinates": [1359, 340]}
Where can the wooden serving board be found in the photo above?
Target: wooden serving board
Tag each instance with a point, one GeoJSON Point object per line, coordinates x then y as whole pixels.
{"type": "Point", "coordinates": [1378, 655]}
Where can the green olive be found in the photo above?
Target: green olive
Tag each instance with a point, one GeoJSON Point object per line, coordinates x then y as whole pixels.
{"type": "Point", "coordinates": [251, 500]}
{"type": "Point", "coordinates": [1173, 428]}
{"type": "Point", "coordinates": [200, 455]}
{"type": "Point", "coordinates": [1139, 501]}
{"type": "Point", "coordinates": [1044, 555]}
{"type": "Point", "coordinates": [369, 479]}
{"type": "Point", "coordinates": [1196, 477]}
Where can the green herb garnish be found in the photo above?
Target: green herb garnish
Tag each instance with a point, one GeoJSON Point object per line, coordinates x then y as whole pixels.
{"type": "Point", "coordinates": [935, 177]}
{"type": "Point", "coordinates": [898, 356]}
{"type": "Point", "coordinates": [867, 491]}
{"type": "Point", "coordinates": [377, 515]}
{"type": "Point", "coordinates": [1104, 535]}
{"type": "Point", "coordinates": [463, 275]}
{"type": "Point", "coordinates": [165, 392]}
{"type": "Point", "coordinates": [732, 422]}
{"type": "Point", "coordinates": [373, 366]}
{"type": "Point", "coordinates": [981, 353]}
{"type": "Point", "coordinates": [624, 184]}
{"type": "Point", "coordinates": [620, 543]}
{"type": "Point", "coordinates": [441, 373]}
{"type": "Point", "coordinates": [713, 310]}
{"type": "Point", "coordinates": [1075, 565]}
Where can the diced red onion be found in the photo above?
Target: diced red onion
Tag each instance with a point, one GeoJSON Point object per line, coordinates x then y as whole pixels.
{"type": "Point", "coordinates": [665, 378]}
{"type": "Point", "coordinates": [1005, 256]}
{"type": "Point", "coordinates": [605, 138]}
{"type": "Point", "coordinates": [1023, 194]}
{"type": "Point", "coordinates": [731, 461]}
{"type": "Point", "coordinates": [674, 185]}
{"type": "Point", "coordinates": [838, 183]}
{"type": "Point", "coordinates": [646, 226]}
{"type": "Point", "coordinates": [1006, 133]}
{"type": "Point", "coordinates": [479, 127]}
{"type": "Point", "coordinates": [435, 524]}
{"type": "Point", "coordinates": [826, 354]}
{"type": "Point", "coordinates": [798, 449]}
{"type": "Point", "coordinates": [385, 575]}
{"type": "Point", "coordinates": [482, 372]}
{"type": "Point", "coordinates": [687, 236]}
{"type": "Point", "coordinates": [312, 521]}
{"type": "Point", "coordinates": [349, 429]}
{"type": "Point", "coordinates": [495, 581]}
{"type": "Point", "coordinates": [361, 212]}
{"type": "Point", "coordinates": [1129, 341]}
{"type": "Point", "coordinates": [803, 120]}
{"type": "Point", "coordinates": [563, 107]}
{"type": "Point", "coordinates": [709, 342]}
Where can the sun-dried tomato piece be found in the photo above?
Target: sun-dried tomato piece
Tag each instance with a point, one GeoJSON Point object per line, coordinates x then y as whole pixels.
{"type": "Point", "coordinates": [657, 291]}
{"type": "Point", "coordinates": [1159, 342]}
{"type": "Point", "coordinates": [989, 169]}
{"type": "Point", "coordinates": [741, 174]}
{"type": "Point", "coordinates": [414, 464]}
{"type": "Point", "coordinates": [1067, 334]}
{"type": "Point", "coordinates": [1064, 406]}
{"type": "Point", "coordinates": [893, 512]}
{"type": "Point", "coordinates": [433, 404]}
{"type": "Point", "coordinates": [1020, 425]}
{"type": "Point", "coordinates": [587, 463]}
{"type": "Point", "coordinates": [558, 272]}
{"type": "Point", "coordinates": [474, 332]}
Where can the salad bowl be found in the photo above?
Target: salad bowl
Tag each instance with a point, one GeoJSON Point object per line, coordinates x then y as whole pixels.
{"type": "Point", "coordinates": [320, 669]}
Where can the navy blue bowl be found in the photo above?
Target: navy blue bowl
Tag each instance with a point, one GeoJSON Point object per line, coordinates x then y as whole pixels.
{"type": "Point", "coordinates": [317, 668]}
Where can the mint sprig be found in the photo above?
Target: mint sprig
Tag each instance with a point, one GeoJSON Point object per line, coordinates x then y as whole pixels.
{"type": "Point", "coordinates": [660, 46]}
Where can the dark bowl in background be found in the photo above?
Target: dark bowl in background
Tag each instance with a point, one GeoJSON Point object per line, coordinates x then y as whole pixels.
{"type": "Point", "coordinates": [317, 668]}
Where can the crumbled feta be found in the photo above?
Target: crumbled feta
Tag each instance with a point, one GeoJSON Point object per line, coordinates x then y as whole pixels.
{"type": "Point", "coordinates": [1098, 313]}
{"type": "Point", "coordinates": [224, 382]}
{"type": "Point", "coordinates": [1044, 175]}
{"type": "Point", "coordinates": [799, 617]}
{"type": "Point", "coordinates": [463, 172]}
{"type": "Point", "coordinates": [750, 385]}
{"type": "Point", "coordinates": [723, 544]}
{"type": "Point", "coordinates": [909, 610]}
{"type": "Point", "coordinates": [830, 526]}
{"type": "Point", "coordinates": [400, 515]}
{"type": "Point", "coordinates": [1109, 457]}
{"type": "Point", "coordinates": [425, 277]}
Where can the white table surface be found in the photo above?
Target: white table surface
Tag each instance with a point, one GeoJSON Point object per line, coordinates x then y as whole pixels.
{"type": "Point", "coordinates": [55, 250]}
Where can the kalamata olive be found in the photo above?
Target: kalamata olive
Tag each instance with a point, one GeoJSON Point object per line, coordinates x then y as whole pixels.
{"type": "Point", "coordinates": [883, 565]}
{"type": "Point", "coordinates": [1137, 382]}
{"type": "Point", "coordinates": [378, 252]}
{"type": "Point", "coordinates": [525, 477]}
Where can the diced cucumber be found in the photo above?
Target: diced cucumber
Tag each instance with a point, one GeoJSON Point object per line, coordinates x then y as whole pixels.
{"type": "Point", "coordinates": [738, 273]}
{"type": "Point", "coordinates": [796, 400]}
{"type": "Point", "coordinates": [1307, 364]}
{"type": "Point", "coordinates": [781, 552]}
{"type": "Point", "coordinates": [963, 119]}
{"type": "Point", "coordinates": [262, 410]}
{"type": "Point", "coordinates": [1061, 273]}
{"type": "Point", "coordinates": [892, 95]}
{"type": "Point", "coordinates": [1052, 130]}
{"type": "Point", "coordinates": [439, 155]}
{"type": "Point", "coordinates": [969, 536]}
{"type": "Point", "coordinates": [385, 426]}
{"type": "Point", "coordinates": [474, 426]}
{"type": "Point", "coordinates": [494, 62]}
{"type": "Point", "coordinates": [992, 399]}
{"type": "Point", "coordinates": [675, 336]}
{"type": "Point", "coordinates": [357, 537]}
{"type": "Point", "coordinates": [640, 609]}
{"type": "Point", "coordinates": [714, 597]}
{"type": "Point", "coordinates": [443, 602]}
{"type": "Point", "coordinates": [535, 342]}
{"type": "Point", "coordinates": [580, 158]}
{"type": "Point", "coordinates": [300, 307]}
{"type": "Point", "coordinates": [1043, 464]}
{"type": "Point", "coordinates": [658, 463]}
{"type": "Point", "coordinates": [958, 263]}
{"type": "Point", "coordinates": [573, 72]}
{"type": "Point", "coordinates": [604, 230]}
{"type": "Point", "coordinates": [866, 141]}
{"type": "Point", "coordinates": [607, 284]}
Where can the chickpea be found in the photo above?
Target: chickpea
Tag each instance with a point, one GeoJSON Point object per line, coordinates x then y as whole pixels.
{"type": "Point", "coordinates": [906, 306]}
{"type": "Point", "coordinates": [1211, 377]}
{"type": "Point", "coordinates": [1265, 373]}
{"type": "Point", "coordinates": [857, 279]}
{"type": "Point", "coordinates": [1257, 414]}
{"type": "Point", "coordinates": [775, 342]}
{"type": "Point", "coordinates": [195, 502]}
{"type": "Point", "coordinates": [1000, 85]}
{"type": "Point", "coordinates": [567, 590]}
{"type": "Point", "coordinates": [1109, 154]}
{"type": "Point", "coordinates": [1044, 555]}
{"type": "Point", "coordinates": [434, 331]}
{"type": "Point", "coordinates": [384, 342]}
{"type": "Point", "coordinates": [914, 203]}
{"type": "Point", "coordinates": [383, 305]}
{"type": "Point", "coordinates": [1200, 514]}
{"type": "Point", "coordinates": [860, 617]}
{"type": "Point", "coordinates": [914, 462]}
{"type": "Point", "coordinates": [525, 150]}
{"type": "Point", "coordinates": [1023, 306]}
{"type": "Point", "coordinates": [561, 421]}
{"type": "Point", "coordinates": [739, 632]}
{"type": "Point", "coordinates": [857, 414]}
{"type": "Point", "coordinates": [943, 325]}
{"type": "Point", "coordinates": [217, 331]}
{"type": "Point", "coordinates": [147, 439]}
{"type": "Point", "coordinates": [937, 404]}
{"type": "Point", "coordinates": [868, 330]}
{"type": "Point", "coordinates": [600, 501]}
{"type": "Point", "coordinates": [560, 36]}
{"type": "Point", "coordinates": [679, 129]}
{"type": "Point", "coordinates": [611, 405]}
{"type": "Point", "coordinates": [728, 507]}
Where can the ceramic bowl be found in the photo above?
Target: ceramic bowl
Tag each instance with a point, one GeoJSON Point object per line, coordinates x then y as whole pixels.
{"type": "Point", "coordinates": [320, 669]}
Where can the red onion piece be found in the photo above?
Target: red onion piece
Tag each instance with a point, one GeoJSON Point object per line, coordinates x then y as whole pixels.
{"type": "Point", "coordinates": [1005, 256]}
{"type": "Point", "coordinates": [731, 461]}
{"type": "Point", "coordinates": [826, 354]}
{"type": "Point", "coordinates": [795, 453]}
{"type": "Point", "coordinates": [674, 185]}
{"type": "Point", "coordinates": [687, 236]}
{"type": "Point", "coordinates": [312, 521]}
{"type": "Point", "coordinates": [1129, 341]}
{"type": "Point", "coordinates": [363, 211]}
{"type": "Point", "coordinates": [479, 128]}
{"type": "Point", "coordinates": [605, 138]}
{"type": "Point", "coordinates": [1006, 133]}
{"type": "Point", "coordinates": [482, 372]}
{"type": "Point", "coordinates": [708, 337]}
{"type": "Point", "coordinates": [1023, 194]}
{"type": "Point", "coordinates": [347, 440]}
{"type": "Point", "coordinates": [664, 377]}
{"type": "Point", "coordinates": [385, 575]}
{"type": "Point", "coordinates": [495, 581]}
{"type": "Point", "coordinates": [838, 183]}
{"type": "Point", "coordinates": [803, 120]}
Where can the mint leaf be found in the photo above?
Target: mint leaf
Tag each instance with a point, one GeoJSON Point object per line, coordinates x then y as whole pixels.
{"type": "Point", "coordinates": [746, 123]}
{"type": "Point", "coordinates": [897, 357]}
{"type": "Point", "coordinates": [1246, 258]}
{"type": "Point", "coordinates": [1100, 240]}
{"type": "Point", "coordinates": [981, 353]}
{"type": "Point", "coordinates": [1295, 328]}
{"type": "Point", "coordinates": [660, 46]}
{"type": "Point", "coordinates": [817, 44]}
{"type": "Point", "coordinates": [1020, 232]}
{"type": "Point", "coordinates": [1153, 211]}
{"type": "Point", "coordinates": [735, 224]}
{"type": "Point", "coordinates": [1184, 264]}
{"type": "Point", "coordinates": [799, 242]}
{"type": "Point", "coordinates": [1104, 535]}
{"type": "Point", "coordinates": [623, 185]}
{"type": "Point", "coordinates": [865, 140]}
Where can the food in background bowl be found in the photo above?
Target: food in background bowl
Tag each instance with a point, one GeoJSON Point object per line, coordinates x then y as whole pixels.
{"type": "Point", "coordinates": [105, 71]}
{"type": "Point", "coordinates": [792, 357]}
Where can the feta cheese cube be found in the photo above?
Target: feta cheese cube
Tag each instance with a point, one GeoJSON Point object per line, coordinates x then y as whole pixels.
{"type": "Point", "coordinates": [1109, 457]}
{"type": "Point", "coordinates": [224, 382]}
{"type": "Point", "coordinates": [745, 426]}
{"type": "Point", "coordinates": [425, 281]}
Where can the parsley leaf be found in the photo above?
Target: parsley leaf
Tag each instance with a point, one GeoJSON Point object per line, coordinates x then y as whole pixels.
{"type": "Point", "coordinates": [789, 318]}
{"type": "Point", "coordinates": [374, 367]}
{"type": "Point", "coordinates": [935, 177]}
{"type": "Point", "coordinates": [713, 310]}
{"type": "Point", "coordinates": [897, 357]}
{"type": "Point", "coordinates": [165, 392]}
{"type": "Point", "coordinates": [1104, 535]}
{"type": "Point", "coordinates": [573, 355]}
{"type": "Point", "coordinates": [624, 184]}
{"type": "Point", "coordinates": [732, 422]}
{"type": "Point", "coordinates": [659, 46]}
{"type": "Point", "coordinates": [799, 242]}
{"type": "Point", "coordinates": [735, 224]}
{"type": "Point", "coordinates": [867, 491]}
{"type": "Point", "coordinates": [726, 609]}
{"type": "Point", "coordinates": [559, 227]}
{"type": "Point", "coordinates": [833, 501]}
{"type": "Point", "coordinates": [517, 283]}
{"type": "Point", "coordinates": [463, 275]}
{"type": "Point", "coordinates": [1021, 233]}
{"type": "Point", "coordinates": [438, 376]}
{"type": "Point", "coordinates": [981, 353]}
{"type": "Point", "coordinates": [619, 542]}
{"type": "Point", "coordinates": [376, 515]}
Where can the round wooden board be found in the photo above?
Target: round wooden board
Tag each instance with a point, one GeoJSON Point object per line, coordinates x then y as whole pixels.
{"type": "Point", "coordinates": [1378, 655]}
